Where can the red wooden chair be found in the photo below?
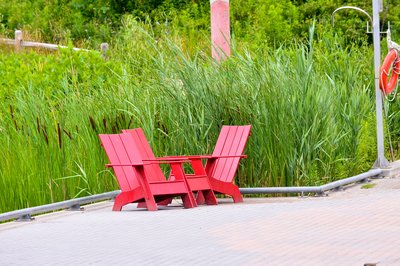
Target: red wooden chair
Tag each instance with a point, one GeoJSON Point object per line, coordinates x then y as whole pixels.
{"type": "Point", "coordinates": [221, 166]}
{"type": "Point", "coordinates": [142, 181]}
{"type": "Point", "coordinates": [199, 180]}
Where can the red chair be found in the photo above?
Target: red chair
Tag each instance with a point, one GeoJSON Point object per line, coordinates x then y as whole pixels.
{"type": "Point", "coordinates": [198, 181]}
{"type": "Point", "coordinates": [221, 166]}
{"type": "Point", "coordinates": [143, 181]}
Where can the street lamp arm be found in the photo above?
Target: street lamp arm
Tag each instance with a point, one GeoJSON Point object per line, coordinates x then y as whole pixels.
{"type": "Point", "coordinates": [350, 7]}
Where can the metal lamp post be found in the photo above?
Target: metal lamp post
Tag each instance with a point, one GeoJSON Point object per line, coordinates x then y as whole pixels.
{"type": "Point", "coordinates": [381, 161]}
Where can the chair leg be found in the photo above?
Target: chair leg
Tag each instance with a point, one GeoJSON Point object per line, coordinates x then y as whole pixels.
{"type": "Point", "coordinates": [200, 198]}
{"type": "Point", "coordinates": [151, 204]}
{"type": "Point", "coordinates": [117, 207]}
{"type": "Point", "coordinates": [226, 188]}
{"type": "Point", "coordinates": [160, 203]}
{"type": "Point", "coordinates": [124, 198]}
{"type": "Point", "coordinates": [142, 205]}
{"type": "Point", "coordinates": [237, 197]}
{"type": "Point", "coordinates": [209, 197]}
{"type": "Point", "coordinates": [165, 202]}
{"type": "Point", "coordinates": [188, 200]}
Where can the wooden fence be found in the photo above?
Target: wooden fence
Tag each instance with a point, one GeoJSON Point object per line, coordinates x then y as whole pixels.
{"type": "Point", "coordinates": [19, 42]}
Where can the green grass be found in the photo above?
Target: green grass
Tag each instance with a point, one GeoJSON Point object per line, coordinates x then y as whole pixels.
{"type": "Point", "coordinates": [310, 106]}
{"type": "Point", "coordinates": [368, 186]}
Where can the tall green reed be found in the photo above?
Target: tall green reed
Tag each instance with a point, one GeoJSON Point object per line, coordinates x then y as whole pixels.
{"type": "Point", "coordinates": [309, 105]}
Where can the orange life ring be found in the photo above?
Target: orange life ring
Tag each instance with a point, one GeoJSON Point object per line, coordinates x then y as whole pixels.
{"type": "Point", "coordinates": [392, 61]}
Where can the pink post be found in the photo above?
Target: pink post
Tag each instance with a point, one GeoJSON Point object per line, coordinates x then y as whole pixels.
{"type": "Point", "coordinates": [220, 30]}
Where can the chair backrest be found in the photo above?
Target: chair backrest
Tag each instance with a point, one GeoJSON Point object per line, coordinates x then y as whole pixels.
{"type": "Point", "coordinates": [153, 171]}
{"type": "Point", "coordinates": [122, 150]}
{"type": "Point", "coordinates": [231, 142]}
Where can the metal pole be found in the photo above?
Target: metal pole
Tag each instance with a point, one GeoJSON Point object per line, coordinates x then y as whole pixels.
{"type": "Point", "coordinates": [26, 214]}
{"type": "Point", "coordinates": [313, 189]}
{"type": "Point", "coordinates": [381, 161]}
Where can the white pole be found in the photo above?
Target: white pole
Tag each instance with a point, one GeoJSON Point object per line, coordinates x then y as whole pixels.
{"type": "Point", "coordinates": [381, 161]}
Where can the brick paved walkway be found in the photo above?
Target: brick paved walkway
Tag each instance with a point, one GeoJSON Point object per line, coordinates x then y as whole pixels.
{"type": "Point", "coordinates": [351, 227]}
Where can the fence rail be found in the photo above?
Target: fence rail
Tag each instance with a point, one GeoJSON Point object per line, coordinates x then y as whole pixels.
{"type": "Point", "coordinates": [19, 42]}
{"type": "Point", "coordinates": [75, 204]}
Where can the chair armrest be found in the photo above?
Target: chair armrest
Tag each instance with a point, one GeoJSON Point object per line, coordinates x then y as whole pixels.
{"type": "Point", "coordinates": [130, 164]}
{"type": "Point", "coordinates": [228, 156]}
{"type": "Point", "coordinates": [193, 157]}
{"type": "Point", "coordinates": [185, 157]}
{"type": "Point", "coordinates": [164, 161]}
